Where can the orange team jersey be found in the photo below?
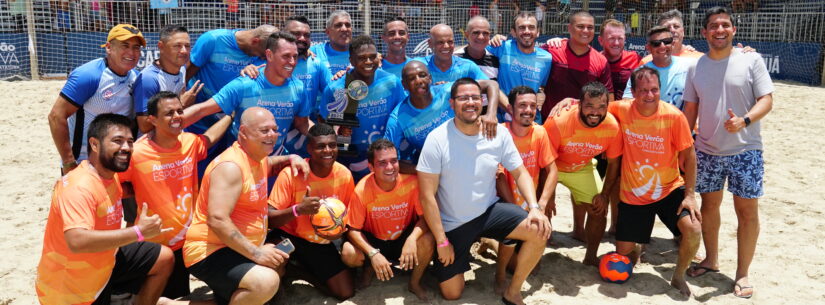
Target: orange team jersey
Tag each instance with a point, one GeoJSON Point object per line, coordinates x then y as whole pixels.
{"type": "Point", "coordinates": [684, 53]}
{"type": "Point", "coordinates": [576, 144]}
{"type": "Point", "coordinates": [650, 166]}
{"type": "Point", "coordinates": [249, 215]}
{"type": "Point", "coordinates": [536, 154]}
{"type": "Point", "coordinates": [167, 181]}
{"type": "Point", "coordinates": [289, 190]}
{"type": "Point", "coordinates": [83, 200]}
{"type": "Point", "coordinates": [385, 215]}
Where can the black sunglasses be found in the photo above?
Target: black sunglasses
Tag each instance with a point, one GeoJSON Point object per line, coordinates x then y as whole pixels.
{"type": "Point", "coordinates": [657, 43]}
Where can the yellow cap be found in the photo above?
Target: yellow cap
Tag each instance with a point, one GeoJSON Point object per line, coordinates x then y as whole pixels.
{"type": "Point", "coordinates": [124, 32]}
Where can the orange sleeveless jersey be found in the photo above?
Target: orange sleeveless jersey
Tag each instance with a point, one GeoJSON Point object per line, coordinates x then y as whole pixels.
{"type": "Point", "coordinates": [289, 190]}
{"type": "Point", "coordinates": [536, 154]}
{"type": "Point", "coordinates": [576, 144]}
{"type": "Point", "coordinates": [385, 215]}
{"type": "Point", "coordinates": [249, 215]}
{"type": "Point", "coordinates": [650, 154]}
{"type": "Point", "coordinates": [167, 181]}
{"type": "Point", "coordinates": [81, 199]}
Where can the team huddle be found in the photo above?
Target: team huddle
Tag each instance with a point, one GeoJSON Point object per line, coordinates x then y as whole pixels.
{"type": "Point", "coordinates": [222, 155]}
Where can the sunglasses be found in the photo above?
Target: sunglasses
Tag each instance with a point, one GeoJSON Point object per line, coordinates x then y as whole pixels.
{"type": "Point", "coordinates": [657, 43]}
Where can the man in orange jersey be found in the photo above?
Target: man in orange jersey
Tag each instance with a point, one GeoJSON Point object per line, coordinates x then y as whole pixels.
{"type": "Point", "coordinates": [86, 255]}
{"type": "Point", "coordinates": [296, 199]}
{"type": "Point", "coordinates": [533, 145]}
{"type": "Point", "coordinates": [225, 245]}
{"type": "Point", "coordinates": [386, 222]}
{"type": "Point", "coordinates": [578, 135]}
{"type": "Point", "coordinates": [656, 144]}
{"type": "Point", "coordinates": [163, 173]}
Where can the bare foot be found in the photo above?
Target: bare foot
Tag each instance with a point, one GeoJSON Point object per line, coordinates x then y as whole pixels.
{"type": "Point", "coordinates": [591, 261]}
{"type": "Point", "coordinates": [419, 292]}
{"type": "Point", "coordinates": [514, 298]}
{"type": "Point", "coordinates": [678, 282]}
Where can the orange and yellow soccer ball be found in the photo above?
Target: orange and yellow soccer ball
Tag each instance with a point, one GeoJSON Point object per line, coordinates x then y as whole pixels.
{"type": "Point", "coordinates": [615, 268]}
{"type": "Point", "coordinates": [331, 219]}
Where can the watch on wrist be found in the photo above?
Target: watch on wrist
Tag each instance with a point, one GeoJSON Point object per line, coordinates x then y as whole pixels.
{"type": "Point", "coordinates": [535, 206]}
{"type": "Point", "coordinates": [69, 164]}
{"type": "Point", "coordinates": [373, 252]}
{"type": "Point", "coordinates": [747, 121]}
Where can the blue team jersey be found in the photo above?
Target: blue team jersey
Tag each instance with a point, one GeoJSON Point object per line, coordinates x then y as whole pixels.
{"type": "Point", "coordinates": [315, 76]}
{"type": "Point", "coordinates": [385, 93]}
{"type": "Point", "coordinates": [671, 80]}
{"type": "Point", "coordinates": [408, 126]}
{"type": "Point", "coordinates": [152, 80]}
{"type": "Point", "coordinates": [220, 60]}
{"type": "Point", "coordinates": [334, 60]}
{"type": "Point", "coordinates": [519, 69]}
{"type": "Point", "coordinates": [459, 69]}
{"type": "Point", "coordinates": [95, 89]}
{"type": "Point", "coordinates": [393, 68]}
{"type": "Point", "coordinates": [286, 101]}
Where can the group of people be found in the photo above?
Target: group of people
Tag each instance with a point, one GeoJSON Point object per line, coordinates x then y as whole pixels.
{"type": "Point", "coordinates": [449, 149]}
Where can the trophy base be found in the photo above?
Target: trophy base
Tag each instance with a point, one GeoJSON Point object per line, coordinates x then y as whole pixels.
{"type": "Point", "coordinates": [347, 150]}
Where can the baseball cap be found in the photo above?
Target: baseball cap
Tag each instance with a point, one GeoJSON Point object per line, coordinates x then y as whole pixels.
{"type": "Point", "coordinates": [124, 32]}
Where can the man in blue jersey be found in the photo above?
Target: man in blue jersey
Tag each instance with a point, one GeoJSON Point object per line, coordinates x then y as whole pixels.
{"type": "Point", "coordinates": [274, 89]}
{"type": "Point", "coordinates": [521, 62]}
{"type": "Point", "coordinates": [672, 70]}
{"type": "Point", "coordinates": [384, 93]}
{"type": "Point", "coordinates": [427, 107]}
{"type": "Point", "coordinates": [395, 36]}
{"type": "Point", "coordinates": [443, 65]}
{"type": "Point", "coordinates": [99, 86]}
{"type": "Point", "coordinates": [335, 52]}
{"type": "Point", "coordinates": [168, 73]}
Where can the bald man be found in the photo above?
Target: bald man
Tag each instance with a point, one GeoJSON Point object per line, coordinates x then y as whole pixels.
{"type": "Point", "coordinates": [443, 65]}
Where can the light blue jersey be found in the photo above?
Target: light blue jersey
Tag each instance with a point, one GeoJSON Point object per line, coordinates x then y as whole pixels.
{"type": "Point", "coordinates": [385, 93]}
{"type": "Point", "coordinates": [459, 69]}
{"type": "Point", "coordinates": [671, 80]}
{"type": "Point", "coordinates": [152, 80]}
{"type": "Point", "coordinates": [286, 102]}
{"type": "Point", "coordinates": [519, 69]}
{"type": "Point", "coordinates": [334, 60]}
{"type": "Point", "coordinates": [220, 60]}
{"type": "Point", "coordinates": [393, 68]}
{"type": "Point", "coordinates": [95, 89]}
{"type": "Point", "coordinates": [408, 126]}
{"type": "Point", "coordinates": [315, 77]}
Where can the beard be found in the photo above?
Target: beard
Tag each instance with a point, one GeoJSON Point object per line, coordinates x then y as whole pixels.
{"type": "Point", "coordinates": [111, 163]}
{"type": "Point", "coordinates": [587, 122]}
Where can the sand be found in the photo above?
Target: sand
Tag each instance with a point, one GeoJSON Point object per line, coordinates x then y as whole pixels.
{"type": "Point", "coordinates": [787, 268]}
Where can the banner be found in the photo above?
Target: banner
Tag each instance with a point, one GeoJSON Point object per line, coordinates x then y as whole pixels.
{"type": "Point", "coordinates": [163, 3]}
{"type": "Point", "coordinates": [14, 55]}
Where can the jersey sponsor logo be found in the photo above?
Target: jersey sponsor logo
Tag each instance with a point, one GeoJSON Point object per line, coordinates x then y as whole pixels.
{"type": "Point", "coordinates": [108, 94]}
{"type": "Point", "coordinates": [257, 190]}
{"type": "Point", "coordinates": [582, 148]}
{"type": "Point", "coordinates": [653, 185]}
{"type": "Point", "coordinates": [645, 142]}
{"type": "Point", "coordinates": [423, 48]}
{"type": "Point", "coordinates": [394, 211]}
{"type": "Point", "coordinates": [179, 169]}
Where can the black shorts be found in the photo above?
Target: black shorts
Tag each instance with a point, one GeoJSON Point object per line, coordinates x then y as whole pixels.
{"type": "Point", "coordinates": [323, 261]}
{"type": "Point", "coordinates": [497, 222]}
{"type": "Point", "coordinates": [391, 249]}
{"type": "Point", "coordinates": [178, 284]}
{"type": "Point", "coordinates": [634, 223]}
{"type": "Point", "coordinates": [132, 263]}
{"type": "Point", "coordinates": [222, 271]}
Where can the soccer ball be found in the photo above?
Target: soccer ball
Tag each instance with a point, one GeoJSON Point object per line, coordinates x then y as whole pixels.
{"type": "Point", "coordinates": [331, 218]}
{"type": "Point", "coordinates": [615, 268]}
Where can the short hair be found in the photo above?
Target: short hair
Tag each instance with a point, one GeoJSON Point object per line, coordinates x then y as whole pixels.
{"type": "Point", "coordinates": [391, 19]}
{"type": "Point", "coordinates": [320, 129]}
{"type": "Point", "coordinates": [152, 104]}
{"type": "Point", "coordinates": [272, 40]}
{"type": "Point", "coordinates": [519, 90]}
{"type": "Point", "coordinates": [378, 145]}
{"type": "Point", "coordinates": [713, 11]}
{"type": "Point", "coordinates": [656, 30]}
{"type": "Point", "coordinates": [611, 22]}
{"type": "Point", "coordinates": [170, 30]}
{"type": "Point", "coordinates": [336, 14]}
{"type": "Point", "coordinates": [358, 42]}
{"type": "Point", "coordinates": [263, 31]}
{"type": "Point", "coordinates": [477, 18]}
{"type": "Point", "coordinates": [593, 89]}
{"type": "Point", "coordinates": [99, 128]}
{"type": "Point", "coordinates": [460, 82]}
{"type": "Point", "coordinates": [522, 15]}
{"type": "Point", "coordinates": [671, 14]}
{"type": "Point", "coordinates": [297, 18]}
{"type": "Point", "coordinates": [639, 73]}
{"type": "Point", "coordinates": [579, 14]}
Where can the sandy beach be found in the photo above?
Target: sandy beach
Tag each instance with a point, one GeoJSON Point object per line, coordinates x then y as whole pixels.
{"type": "Point", "coordinates": [786, 270]}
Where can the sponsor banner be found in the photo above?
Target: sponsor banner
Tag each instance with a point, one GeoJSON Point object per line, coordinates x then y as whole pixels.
{"type": "Point", "coordinates": [14, 55]}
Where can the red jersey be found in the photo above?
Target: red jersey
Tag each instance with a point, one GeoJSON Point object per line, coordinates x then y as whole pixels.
{"type": "Point", "coordinates": [571, 72]}
{"type": "Point", "coordinates": [621, 69]}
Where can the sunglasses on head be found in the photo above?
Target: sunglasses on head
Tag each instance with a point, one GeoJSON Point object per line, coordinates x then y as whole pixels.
{"type": "Point", "coordinates": [657, 43]}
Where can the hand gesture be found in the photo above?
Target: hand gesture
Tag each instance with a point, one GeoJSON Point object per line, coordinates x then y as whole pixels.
{"type": "Point", "coordinates": [382, 267]}
{"type": "Point", "coordinates": [734, 124]}
{"type": "Point", "coordinates": [309, 205]}
{"type": "Point", "coordinates": [188, 97]}
{"type": "Point", "coordinates": [269, 256]}
{"type": "Point", "coordinates": [150, 226]}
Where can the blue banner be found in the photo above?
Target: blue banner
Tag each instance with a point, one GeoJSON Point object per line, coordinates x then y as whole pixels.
{"type": "Point", "coordinates": [163, 3]}
{"type": "Point", "coordinates": [14, 55]}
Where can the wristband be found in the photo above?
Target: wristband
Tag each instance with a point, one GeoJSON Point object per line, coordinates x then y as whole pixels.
{"type": "Point", "coordinates": [295, 210]}
{"type": "Point", "coordinates": [137, 231]}
{"type": "Point", "coordinates": [444, 244]}
{"type": "Point", "coordinates": [535, 206]}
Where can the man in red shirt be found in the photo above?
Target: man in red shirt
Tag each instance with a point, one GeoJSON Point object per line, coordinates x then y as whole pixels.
{"type": "Point", "coordinates": [622, 62]}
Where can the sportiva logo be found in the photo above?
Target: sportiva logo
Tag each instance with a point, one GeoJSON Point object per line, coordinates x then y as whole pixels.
{"type": "Point", "coordinates": [423, 48]}
{"type": "Point", "coordinates": [8, 59]}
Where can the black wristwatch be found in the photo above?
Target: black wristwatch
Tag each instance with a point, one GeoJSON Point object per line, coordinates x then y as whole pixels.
{"type": "Point", "coordinates": [747, 121]}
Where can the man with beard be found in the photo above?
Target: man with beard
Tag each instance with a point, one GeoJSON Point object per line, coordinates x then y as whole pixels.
{"type": "Point", "coordinates": [168, 73]}
{"type": "Point", "coordinates": [577, 135]}
{"type": "Point", "coordinates": [225, 246]}
{"type": "Point", "coordinates": [478, 38]}
{"type": "Point", "coordinates": [99, 86]}
{"type": "Point", "coordinates": [395, 35]}
{"type": "Point", "coordinates": [86, 255]}
{"type": "Point", "coordinates": [426, 108]}
{"type": "Point", "coordinates": [334, 54]}
{"type": "Point", "coordinates": [467, 209]}
{"type": "Point", "coordinates": [443, 65]}
{"type": "Point", "coordinates": [384, 92]}
{"type": "Point", "coordinates": [163, 173]}
{"type": "Point", "coordinates": [522, 62]}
